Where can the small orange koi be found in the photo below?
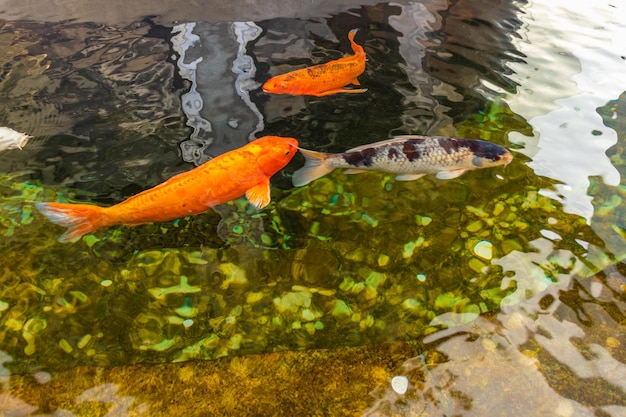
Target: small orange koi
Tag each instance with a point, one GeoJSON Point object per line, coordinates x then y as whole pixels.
{"type": "Point", "coordinates": [243, 171]}
{"type": "Point", "coordinates": [323, 79]}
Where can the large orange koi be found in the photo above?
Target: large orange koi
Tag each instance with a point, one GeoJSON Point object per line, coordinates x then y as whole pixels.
{"type": "Point", "coordinates": [323, 79]}
{"type": "Point", "coordinates": [244, 171]}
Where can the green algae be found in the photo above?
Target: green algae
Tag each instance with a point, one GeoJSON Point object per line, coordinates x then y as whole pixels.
{"type": "Point", "coordinates": [348, 281]}
{"type": "Point", "coordinates": [251, 385]}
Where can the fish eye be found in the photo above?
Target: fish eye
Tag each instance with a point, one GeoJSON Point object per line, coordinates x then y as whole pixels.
{"type": "Point", "coordinates": [287, 153]}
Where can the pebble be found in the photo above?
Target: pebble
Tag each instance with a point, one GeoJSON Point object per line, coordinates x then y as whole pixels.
{"type": "Point", "coordinates": [341, 309]}
{"type": "Point", "coordinates": [516, 321]}
{"type": "Point", "coordinates": [410, 247]}
{"type": "Point", "coordinates": [595, 288]}
{"type": "Point", "coordinates": [400, 384]}
{"type": "Point", "coordinates": [63, 344]}
{"type": "Point", "coordinates": [254, 297]}
{"type": "Point", "coordinates": [489, 345]}
{"type": "Point", "coordinates": [233, 275]}
{"type": "Point", "coordinates": [511, 245]}
{"type": "Point", "coordinates": [549, 234]}
{"type": "Point", "coordinates": [84, 341]}
{"type": "Point", "coordinates": [411, 304]}
{"type": "Point", "coordinates": [475, 226]}
{"type": "Point", "coordinates": [308, 315]}
{"type": "Point", "coordinates": [484, 249]}
{"type": "Point", "coordinates": [612, 342]}
{"type": "Point", "coordinates": [477, 265]}
{"type": "Point", "coordinates": [42, 377]}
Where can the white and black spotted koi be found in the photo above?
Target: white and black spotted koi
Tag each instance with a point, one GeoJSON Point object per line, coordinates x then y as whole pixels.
{"type": "Point", "coordinates": [411, 157]}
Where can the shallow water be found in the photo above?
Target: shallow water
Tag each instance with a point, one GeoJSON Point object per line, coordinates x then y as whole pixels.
{"type": "Point", "coordinates": [497, 293]}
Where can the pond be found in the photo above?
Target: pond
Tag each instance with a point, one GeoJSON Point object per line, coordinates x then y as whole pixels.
{"type": "Point", "coordinates": [497, 293]}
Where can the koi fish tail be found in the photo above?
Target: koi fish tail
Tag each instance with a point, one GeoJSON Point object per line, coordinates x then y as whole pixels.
{"type": "Point", "coordinates": [316, 166]}
{"type": "Point", "coordinates": [79, 219]}
{"type": "Point", "coordinates": [356, 48]}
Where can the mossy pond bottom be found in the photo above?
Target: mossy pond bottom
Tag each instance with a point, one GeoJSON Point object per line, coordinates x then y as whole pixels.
{"type": "Point", "coordinates": [498, 293]}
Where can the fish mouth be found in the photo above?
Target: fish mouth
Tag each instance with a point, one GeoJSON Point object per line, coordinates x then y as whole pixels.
{"type": "Point", "coordinates": [266, 87]}
{"type": "Point", "coordinates": [506, 158]}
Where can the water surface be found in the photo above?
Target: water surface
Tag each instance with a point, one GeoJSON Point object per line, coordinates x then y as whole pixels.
{"type": "Point", "coordinates": [497, 293]}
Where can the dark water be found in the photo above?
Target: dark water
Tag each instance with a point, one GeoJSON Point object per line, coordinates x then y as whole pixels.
{"type": "Point", "coordinates": [497, 293]}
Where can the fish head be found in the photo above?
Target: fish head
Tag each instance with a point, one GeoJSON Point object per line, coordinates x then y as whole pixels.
{"type": "Point", "coordinates": [274, 86]}
{"type": "Point", "coordinates": [280, 84]}
{"type": "Point", "coordinates": [274, 152]}
{"type": "Point", "coordinates": [487, 154]}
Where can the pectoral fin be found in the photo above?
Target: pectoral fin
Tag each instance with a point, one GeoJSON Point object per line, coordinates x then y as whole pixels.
{"type": "Point", "coordinates": [355, 82]}
{"type": "Point", "coordinates": [448, 175]}
{"type": "Point", "coordinates": [409, 177]}
{"type": "Point", "coordinates": [259, 195]}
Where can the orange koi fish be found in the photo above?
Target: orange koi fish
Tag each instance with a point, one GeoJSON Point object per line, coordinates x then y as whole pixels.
{"type": "Point", "coordinates": [244, 171]}
{"type": "Point", "coordinates": [324, 79]}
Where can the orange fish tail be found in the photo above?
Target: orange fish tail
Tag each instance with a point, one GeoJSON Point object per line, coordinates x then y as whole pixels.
{"type": "Point", "coordinates": [79, 219]}
{"type": "Point", "coordinates": [358, 49]}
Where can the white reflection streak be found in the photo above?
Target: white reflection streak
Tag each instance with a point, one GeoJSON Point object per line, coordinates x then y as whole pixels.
{"type": "Point", "coordinates": [183, 39]}
{"type": "Point", "coordinates": [572, 139]}
{"type": "Point", "coordinates": [524, 318]}
{"type": "Point", "coordinates": [245, 69]}
{"type": "Point", "coordinates": [415, 22]}
{"type": "Point", "coordinates": [602, 365]}
{"type": "Point", "coordinates": [213, 58]}
{"type": "Point", "coordinates": [530, 274]}
{"type": "Point", "coordinates": [568, 150]}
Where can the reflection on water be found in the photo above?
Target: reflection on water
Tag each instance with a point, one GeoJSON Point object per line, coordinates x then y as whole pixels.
{"type": "Point", "coordinates": [498, 293]}
{"type": "Point", "coordinates": [416, 23]}
{"type": "Point", "coordinates": [571, 140]}
{"type": "Point", "coordinates": [554, 354]}
{"type": "Point", "coordinates": [105, 106]}
{"type": "Point", "coordinates": [218, 107]}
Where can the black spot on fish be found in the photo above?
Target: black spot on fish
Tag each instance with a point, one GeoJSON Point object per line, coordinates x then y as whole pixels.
{"type": "Point", "coordinates": [392, 153]}
{"type": "Point", "coordinates": [362, 158]}
{"type": "Point", "coordinates": [450, 145]}
{"type": "Point", "coordinates": [485, 149]}
{"type": "Point", "coordinates": [410, 150]}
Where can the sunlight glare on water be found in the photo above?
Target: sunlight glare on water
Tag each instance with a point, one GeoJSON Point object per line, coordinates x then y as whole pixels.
{"type": "Point", "coordinates": [571, 140]}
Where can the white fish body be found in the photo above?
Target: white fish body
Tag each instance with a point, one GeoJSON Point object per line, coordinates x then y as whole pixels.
{"type": "Point", "coordinates": [10, 139]}
{"type": "Point", "coordinates": [410, 157]}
